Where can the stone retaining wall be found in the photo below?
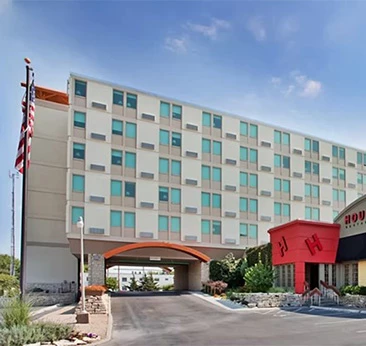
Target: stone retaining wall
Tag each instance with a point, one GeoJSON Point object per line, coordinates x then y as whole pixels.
{"type": "Point", "coordinates": [60, 287]}
{"type": "Point", "coordinates": [95, 304]}
{"type": "Point", "coordinates": [267, 300]}
{"type": "Point", "coordinates": [353, 301]}
{"type": "Point", "coordinates": [48, 299]}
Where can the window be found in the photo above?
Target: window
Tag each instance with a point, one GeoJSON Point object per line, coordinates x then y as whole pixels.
{"type": "Point", "coordinates": [282, 209]}
{"type": "Point", "coordinates": [342, 174]}
{"type": "Point", "coordinates": [339, 195]}
{"type": "Point", "coordinates": [243, 230]}
{"type": "Point", "coordinates": [342, 153]}
{"type": "Point", "coordinates": [130, 189]}
{"type": "Point", "coordinates": [277, 160]}
{"type": "Point", "coordinates": [129, 220]}
{"type": "Point", "coordinates": [253, 205]}
{"type": "Point", "coordinates": [216, 200]}
{"type": "Point", "coordinates": [335, 173]}
{"type": "Point", "coordinates": [286, 210]}
{"type": "Point", "coordinates": [277, 137]}
{"type": "Point", "coordinates": [285, 138]}
{"type": "Point", "coordinates": [243, 179]}
{"type": "Point", "coordinates": [315, 146]}
{"type": "Point", "coordinates": [277, 208]}
{"type": "Point", "coordinates": [116, 188]}
{"type": "Point", "coordinates": [163, 194]}
{"type": "Point", "coordinates": [359, 158]}
{"type": "Point", "coordinates": [346, 274]}
{"type": "Point", "coordinates": [311, 145]}
{"type": "Point", "coordinates": [338, 173]}
{"type": "Point", "coordinates": [117, 157]}
{"type": "Point", "coordinates": [253, 131]}
{"type": "Point", "coordinates": [282, 185]}
{"type": "Point", "coordinates": [163, 223]}
{"type": "Point", "coordinates": [206, 119]}
{"type": "Point", "coordinates": [243, 204]}
{"type": "Point", "coordinates": [205, 227]}
{"type": "Point", "coordinates": [175, 196]}
{"type": "Point", "coordinates": [253, 231]}
{"type": "Point", "coordinates": [243, 154]}
{"type": "Point", "coordinates": [277, 184]}
{"type": "Point", "coordinates": [312, 213]}
{"type": "Point", "coordinates": [80, 88]}
{"type": "Point", "coordinates": [338, 152]}
{"type": "Point", "coordinates": [315, 168]}
{"type": "Point", "coordinates": [286, 186]}
{"type": "Point", "coordinates": [176, 139]}
{"type": "Point", "coordinates": [79, 119]}
{"type": "Point", "coordinates": [177, 112]}
{"type": "Point", "coordinates": [282, 161]}
{"type": "Point", "coordinates": [164, 109]}
{"type": "Point", "coordinates": [311, 167]}
{"type": "Point", "coordinates": [206, 145]}
{"type": "Point", "coordinates": [117, 127]}
{"type": "Point", "coordinates": [76, 212]}
{"type": "Point", "coordinates": [312, 190]}
{"type": "Point", "coordinates": [131, 101]}
{"type": "Point", "coordinates": [217, 121]}
{"type": "Point", "coordinates": [163, 166]}
{"type": "Point", "coordinates": [206, 172]}
{"type": "Point", "coordinates": [216, 148]}
{"type": "Point", "coordinates": [175, 224]}
{"type": "Point", "coordinates": [243, 128]}
{"type": "Point", "coordinates": [286, 162]}
{"type": "Point", "coordinates": [335, 151]}
{"type": "Point", "coordinates": [176, 167]}
{"type": "Point", "coordinates": [130, 160]}
{"type": "Point", "coordinates": [124, 279]}
{"type": "Point", "coordinates": [78, 183]}
{"type": "Point", "coordinates": [216, 227]}
{"type": "Point", "coordinates": [335, 214]}
{"type": "Point", "coordinates": [253, 180]}
{"type": "Point", "coordinates": [307, 144]}
{"type": "Point", "coordinates": [216, 174]}
{"type": "Point", "coordinates": [117, 97]}
{"type": "Point", "coordinates": [359, 178]}
{"type": "Point", "coordinates": [79, 151]}
{"type": "Point", "coordinates": [130, 130]}
{"type": "Point", "coordinates": [253, 155]}
{"type": "Point", "coordinates": [164, 137]}
{"type": "Point", "coordinates": [205, 199]}
{"type": "Point", "coordinates": [116, 218]}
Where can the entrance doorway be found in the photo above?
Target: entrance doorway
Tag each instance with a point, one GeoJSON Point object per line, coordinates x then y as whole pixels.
{"type": "Point", "coordinates": [312, 274]}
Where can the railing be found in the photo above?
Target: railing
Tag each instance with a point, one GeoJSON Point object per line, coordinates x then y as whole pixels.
{"type": "Point", "coordinates": [315, 294]}
{"type": "Point", "coordinates": [330, 291]}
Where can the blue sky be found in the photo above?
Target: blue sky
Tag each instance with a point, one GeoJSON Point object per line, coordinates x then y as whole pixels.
{"type": "Point", "coordinates": [296, 64]}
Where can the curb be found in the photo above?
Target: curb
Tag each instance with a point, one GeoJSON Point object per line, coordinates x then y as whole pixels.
{"type": "Point", "coordinates": [353, 311]}
{"type": "Point", "coordinates": [36, 313]}
{"type": "Point", "coordinates": [110, 326]}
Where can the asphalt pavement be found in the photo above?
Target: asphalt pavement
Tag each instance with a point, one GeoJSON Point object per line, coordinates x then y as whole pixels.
{"type": "Point", "coordinates": [184, 319]}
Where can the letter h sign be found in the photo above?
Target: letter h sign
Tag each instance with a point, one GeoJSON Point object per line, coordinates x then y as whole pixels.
{"type": "Point", "coordinates": [314, 244]}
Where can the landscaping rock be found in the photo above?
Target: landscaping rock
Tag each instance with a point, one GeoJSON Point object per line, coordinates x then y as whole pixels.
{"type": "Point", "coordinates": [268, 300]}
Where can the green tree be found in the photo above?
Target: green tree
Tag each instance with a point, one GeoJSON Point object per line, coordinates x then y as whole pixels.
{"type": "Point", "coordinates": [259, 278]}
{"type": "Point", "coordinates": [9, 285]}
{"type": "Point", "coordinates": [5, 261]}
{"type": "Point", "coordinates": [148, 283]}
{"type": "Point", "coordinates": [227, 270]}
{"type": "Point", "coordinates": [112, 283]}
{"type": "Point", "coordinates": [134, 285]}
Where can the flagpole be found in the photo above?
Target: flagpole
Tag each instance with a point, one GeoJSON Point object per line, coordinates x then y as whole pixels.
{"type": "Point", "coordinates": [23, 245]}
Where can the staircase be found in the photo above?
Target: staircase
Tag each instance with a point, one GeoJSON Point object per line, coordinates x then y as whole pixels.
{"type": "Point", "coordinates": [328, 296]}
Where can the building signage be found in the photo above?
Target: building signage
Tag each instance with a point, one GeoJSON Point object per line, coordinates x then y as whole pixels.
{"type": "Point", "coordinates": [283, 246]}
{"type": "Point", "coordinates": [354, 217]}
{"type": "Point", "coordinates": [313, 243]}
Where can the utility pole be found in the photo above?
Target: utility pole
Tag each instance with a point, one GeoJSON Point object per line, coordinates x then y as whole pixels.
{"type": "Point", "coordinates": [12, 242]}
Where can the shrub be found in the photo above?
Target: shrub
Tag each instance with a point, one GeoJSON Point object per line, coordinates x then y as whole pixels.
{"type": "Point", "coordinates": [215, 270]}
{"type": "Point", "coordinates": [168, 287]}
{"type": "Point", "coordinates": [16, 313]}
{"type": "Point", "coordinates": [95, 290]}
{"type": "Point", "coordinates": [262, 253]}
{"type": "Point", "coordinates": [362, 291]}
{"type": "Point", "coordinates": [279, 290]}
{"type": "Point", "coordinates": [229, 270]}
{"type": "Point", "coordinates": [349, 289]}
{"type": "Point", "coordinates": [259, 278]}
{"type": "Point", "coordinates": [9, 285]}
{"type": "Point", "coordinates": [112, 283]}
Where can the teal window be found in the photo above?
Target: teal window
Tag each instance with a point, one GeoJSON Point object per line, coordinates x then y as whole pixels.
{"type": "Point", "coordinates": [253, 205]}
{"type": "Point", "coordinates": [243, 204]}
{"type": "Point", "coordinates": [342, 153]}
{"type": "Point", "coordinates": [335, 214]}
{"type": "Point", "coordinates": [286, 210]}
{"type": "Point", "coordinates": [286, 138]}
{"type": "Point", "coordinates": [205, 197]}
{"type": "Point", "coordinates": [163, 194]}
{"type": "Point", "coordinates": [175, 224]}
{"type": "Point", "coordinates": [116, 188]}
{"type": "Point", "coordinates": [116, 218]}
{"type": "Point", "coordinates": [130, 189]}
{"type": "Point", "coordinates": [118, 97]}
{"type": "Point", "coordinates": [253, 155]}
{"type": "Point", "coordinates": [216, 227]}
{"type": "Point", "coordinates": [359, 178]}
{"type": "Point", "coordinates": [315, 146]}
{"type": "Point", "coordinates": [176, 139]}
{"type": "Point", "coordinates": [130, 160]}
{"type": "Point", "coordinates": [307, 213]}
{"type": "Point", "coordinates": [175, 196]}
{"type": "Point", "coordinates": [335, 173]}
{"type": "Point", "coordinates": [79, 119]}
{"type": "Point", "coordinates": [286, 186]}
{"type": "Point", "coordinates": [307, 190]}
{"type": "Point", "coordinates": [277, 160]}
{"type": "Point", "coordinates": [342, 195]}
{"type": "Point", "coordinates": [277, 184]}
{"type": "Point", "coordinates": [117, 157]}
{"type": "Point", "coordinates": [206, 145]}
{"type": "Point", "coordinates": [315, 168]}
{"type": "Point", "coordinates": [206, 172]}
{"type": "Point", "coordinates": [316, 214]}
{"type": "Point", "coordinates": [78, 151]}
{"type": "Point", "coordinates": [217, 121]}
{"type": "Point", "coordinates": [359, 158]}
{"type": "Point", "coordinates": [243, 154]}
{"type": "Point", "coordinates": [131, 101]}
{"type": "Point", "coordinates": [80, 88]}
{"type": "Point", "coordinates": [335, 195]}
{"type": "Point", "coordinates": [307, 167]}
{"type": "Point", "coordinates": [342, 174]}
{"type": "Point", "coordinates": [130, 220]}
{"type": "Point", "coordinates": [177, 112]}
{"type": "Point", "coordinates": [76, 212]}
{"type": "Point", "coordinates": [206, 119]}
{"type": "Point", "coordinates": [216, 148]}
{"type": "Point", "coordinates": [315, 191]}
{"type": "Point", "coordinates": [277, 208]}
{"type": "Point", "coordinates": [117, 127]}
{"type": "Point", "coordinates": [216, 200]}
{"type": "Point", "coordinates": [307, 144]}
{"type": "Point", "coordinates": [243, 230]}
{"type": "Point", "coordinates": [78, 183]}
{"type": "Point", "coordinates": [164, 137]}
{"type": "Point", "coordinates": [176, 167]}
{"type": "Point", "coordinates": [253, 231]}
{"type": "Point", "coordinates": [277, 137]}
{"type": "Point", "coordinates": [163, 166]}
{"type": "Point", "coordinates": [243, 179]}
{"type": "Point", "coordinates": [216, 174]}
{"type": "Point", "coordinates": [243, 128]}
{"type": "Point", "coordinates": [286, 162]}
{"type": "Point", "coordinates": [335, 151]}
{"type": "Point", "coordinates": [205, 227]}
{"type": "Point", "coordinates": [130, 130]}
{"type": "Point", "coordinates": [163, 223]}
{"type": "Point", "coordinates": [253, 180]}
{"type": "Point", "coordinates": [253, 131]}
{"type": "Point", "coordinates": [164, 109]}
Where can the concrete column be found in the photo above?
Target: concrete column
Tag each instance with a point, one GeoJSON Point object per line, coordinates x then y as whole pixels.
{"type": "Point", "coordinates": [194, 276]}
{"type": "Point", "coordinates": [96, 266]}
{"type": "Point", "coordinates": [181, 277]}
{"type": "Point", "coordinates": [299, 277]}
{"type": "Point", "coordinates": [362, 273]}
{"type": "Point", "coordinates": [205, 272]}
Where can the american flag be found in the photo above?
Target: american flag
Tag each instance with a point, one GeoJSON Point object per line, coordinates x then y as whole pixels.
{"type": "Point", "coordinates": [26, 127]}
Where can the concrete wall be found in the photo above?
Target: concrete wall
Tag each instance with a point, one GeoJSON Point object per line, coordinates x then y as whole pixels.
{"type": "Point", "coordinates": [181, 277]}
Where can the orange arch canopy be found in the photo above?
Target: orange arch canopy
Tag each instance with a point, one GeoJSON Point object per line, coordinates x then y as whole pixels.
{"type": "Point", "coordinates": [195, 253]}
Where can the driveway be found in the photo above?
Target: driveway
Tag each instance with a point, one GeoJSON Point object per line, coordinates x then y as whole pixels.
{"type": "Point", "coordinates": [173, 319]}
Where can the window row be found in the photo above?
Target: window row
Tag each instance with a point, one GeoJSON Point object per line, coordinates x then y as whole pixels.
{"type": "Point", "coordinates": [339, 195]}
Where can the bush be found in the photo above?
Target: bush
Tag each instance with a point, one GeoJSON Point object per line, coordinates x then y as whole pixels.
{"type": "Point", "coordinates": [354, 290]}
{"type": "Point", "coordinates": [262, 253]}
{"type": "Point", "coordinates": [229, 270]}
{"type": "Point", "coordinates": [9, 285]}
{"type": "Point", "coordinates": [95, 290]}
{"type": "Point", "coordinates": [112, 283]}
{"type": "Point", "coordinates": [215, 270]}
{"type": "Point", "coordinates": [362, 291]}
{"type": "Point", "coordinates": [259, 278]}
{"type": "Point", "coordinates": [16, 313]}
{"type": "Point", "coordinates": [168, 287]}
{"type": "Point", "coordinates": [279, 290]}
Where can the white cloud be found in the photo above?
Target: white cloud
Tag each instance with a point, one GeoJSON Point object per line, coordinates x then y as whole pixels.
{"type": "Point", "coordinates": [256, 27]}
{"type": "Point", "coordinates": [289, 90]}
{"type": "Point", "coordinates": [287, 27]}
{"type": "Point", "coordinates": [211, 31]}
{"type": "Point", "coordinates": [312, 88]}
{"type": "Point", "coordinates": [176, 45]}
{"type": "Point", "coordinates": [276, 81]}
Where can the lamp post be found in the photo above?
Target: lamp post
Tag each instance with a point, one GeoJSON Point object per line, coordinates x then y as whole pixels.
{"type": "Point", "coordinates": [83, 316]}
